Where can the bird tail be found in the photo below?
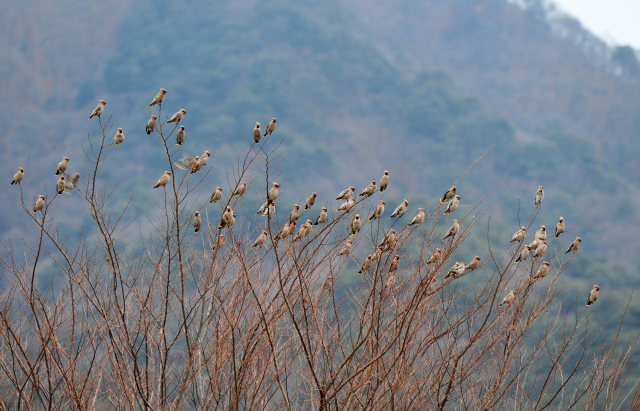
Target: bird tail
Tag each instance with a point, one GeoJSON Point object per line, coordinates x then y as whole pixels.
{"type": "Point", "coordinates": [441, 202]}
{"type": "Point", "coordinates": [156, 186]}
{"type": "Point", "coordinates": [567, 252]}
{"type": "Point", "coordinates": [306, 207]}
{"type": "Point", "coordinates": [197, 229]}
{"type": "Point", "coordinates": [499, 305]}
{"type": "Point", "coordinates": [12, 182]}
{"type": "Point", "coordinates": [588, 304]}
{"type": "Point", "coordinates": [360, 272]}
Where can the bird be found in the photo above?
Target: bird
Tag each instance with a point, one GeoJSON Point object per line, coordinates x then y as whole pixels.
{"type": "Point", "coordinates": [240, 190]}
{"type": "Point", "coordinates": [391, 280]}
{"type": "Point", "coordinates": [71, 182]}
{"type": "Point", "coordinates": [176, 118]}
{"type": "Point", "coordinates": [197, 165]}
{"type": "Point", "coordinates": [273, 193]}
{"type": "Point", "coordinates": [541, 234]}
{"type": "Point", "coordinates": [345, 194]}
{"type": "Point", "coordinates": [366, 265]}
{"type": "Point", "coordinates": [204, 158]}
{"type": "Point", "coordinates": [453, 205]}
{"type": "Point", "coordinates": [322, 217]}
{"type": "Point", "coordinates": [435, 257]}
{"type": "Point", "coordinates": [310, 201]}
{"type": "Point", "coordinates": [188, 163]}
{"type": "Point", "coordinates": [219, 243]}
{"type": "Point", "coordinates": [394, 263]}
{"type": "Point", "coordinates": [119, 137]}
{"type": "Point", "coordinates": [418, 218]}
{"type": "Point", "coordinates": [180, 136]}
{"type": "Point", "coordinates": [384, 181]}
{"type": "Point", "coordinates": [453, 230]}
{"type": "Point", "coordinates": [473, 265]}
{"type": "Point", "coordinates": [217, 195]}
{"type": "Point", "coordinates": [270, 210]}
{"type": "Point", "coordinates": [575, 245]}
{"type": "Point", "coordinates": [295, 213]}
{"type": "Point", "coordinates": [197, 221]}
{"type": "Point", "coordinates": [151, 124]}
{"type": "Point", "coordinates": [400, 210]}
{"type": "Point", "coordinates": [431, 285]}
{"type": "Point", "coordinates": [542, 248]}
{"type": "Point", "coordinates": [263, 208]}
{"type": "Point", "coordinates": [542, 271]}
{"type": "Point", "coordinates": [377, 212]}
{"type": "Point", "coordinates": [356, 224]}
{"type": "Point", "coordinates": [283, 232]}
{"type": "Point", "coordinates": [17, 177]}
{"type": "Point", "coordinates": [593, 295]}
{"type": "Point", "coordinates": [559, 227]}
{"type": "Point", "coordinates": [97, 112]}
{"type": "Point", "coordinates": [226, 217]}
{"type": "Point", "coordinates": [377, 254]}
{"type": "Point", "coordinates": [270, 127]}
{"type": "Point", "coordinates": [524, 254]}
{"type": "Point", "coordinates": [60, 185]}
{"type": "Point", "coordinates": [347, 205]}
{"type": "Point", "coordinates": [62, 166]}
{"type": "Point", "coordinates": [39, 204]}
{"type": "Point", "coordinates": [519, 235]}
{"type": "Point", "coordinates": [388, 238]}
{"type": "Point", "coordinates": [163, 180]}
{"type": "Point", "coordinates": [260, 240]}
{"type": "Point", "coordinates": [303, 231]}
{"type": "Point", "coordinates": [448, 194]}
{"type": "Point", "coordinates": [539, 196]}
{"type": "Point", "coordinates": [158, 98]}
{"type": "Point", "coordinates": [457, 270]}
{"type": "Point", "coordinates": [328, 283]}
{"type": "Point", "coordinates": [257, 133]}
{"type": "Point", "coordinates": [534, 245]}
{"type": "Point", "coordinates": [510, 298]}
{"type": "Point", "coordinates": [346, 249]}
{"type": "Point", "coordinates": [371, 188]}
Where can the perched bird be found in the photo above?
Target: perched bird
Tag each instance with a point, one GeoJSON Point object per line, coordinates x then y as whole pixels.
{"type": "Point", "coordinates": [62, 166]}
{"type": "Point", "coordinates": [71, 182]}
{"type": "Point", "coordinates": [539, 196]}
{"type": "Point", "coordinates": [273, 193]}
{"type": "Point", "coordinates": [257, 133]}
{"type": "Point", "coordinates": [366, 265]}
{"type": "Point", "coordinates": [284, 231]}
{"type": "Point", "coordinates": [453, 230]}
{"type": "Point", "coordinates": [158, 98]}
{"type": "Point", "coordinates": [534, 245]}
{"type": "Point", "coordinates": [346, 249]}
{"type": "Point", "coordinates": [510, 298]}
{"type": "Point", "coordinates": [119, 137]}
{"type": "Point", "coordinates": [270, 127]}
{"type": "Point", "coordinates": [17, 177]}
{"type": "Point", "coordinates": [377, 254]}
{"type": "Point", "coordinates": [378, 211]}
{"type": "Point", "coordinates": [394, 263]}
{"type": "Point", "coordinates": [418, 218]}
{"type": "Point", "coordinates": [151, 124]}
{"type": "Point", "coordinates": [593, 295]}
{"type": "Point", "coordinates": [542, 248]}
{"type": "Point", "coordinates": [180, 136]}
{"type": "Point", "coordinates": [270, 210]}
{"type": "Point", "coordinates": [541, 234]}
{"type": "Point", "coordinates": [60, 185]}
{"type": "Point", "coordinates": [39, 204]}
{"type": "Point", "coordinates": [473, 265]}
{"type": "Point", "coordinates": [388, 238]}
{"type": "Point", "coordinates": [524, 254]}
{"type": "Point", "coordinates": [457, 270]}
{"type": "Point", "coordinates": [260, 240]}
{"type": "Point", "coordinates": [384, 181]}
{"type": "Point", "coordinates": [97, 112]}
{"type": "Point", "coordinates": [240, 190]}
{"type": "Point", "coordinates": [542, 271]}
{"type": "Point", "coordinates": [402, 208]}
{"type": "Point", "coordinates": [304, 231]}
{"type": "Point", "coordinates": [322, 217]}
{"type": "Point", "coordinates": [295, 213]}
{"type": "Point", "coordinates": [204, 158]}
{"type": "Point", "coordinates": [356, 224]}
{"type": "Point", "coordinates": [226, 217]}
{"type": "Point", "coordinates": [163, 180]}
{"type": "Point", "coordinates": [347, 205]}
{"type": "Point", "coordinates": [371, 188]}
{"type": "Point", "coordinates": [453, 205]}
{"type": "Point", "coordinates": [310, 201]}
{"type": "Point", "coordinates": [217, 195]}
{"type": "Point", "coordinates": [197, 221]}
{"type": "Point", "coordinates": [432, 284]}
{"type": "Point", "coordinates": [391, 281]}
{"type": "Point", "coordinates": [263, 208]}
{"type": "Point", "coordinates": [519, 235]}
{"type": "Point", "coordinates": [345, 194]}
{"type": "Point", "coordinates": [575, 245]}
{"type": "Point", "coordinates": [219, 243]}
{"type": "Point", "coordinates": [435, 257]}
{"type": "Point", "coordinates": [448, 195]}
{"type": "Point", "coordinates": [560, 227]}
{"type": "Point", "coordinates": [328, 283]}
{"type": "Point", "coordinates": [176, 118]}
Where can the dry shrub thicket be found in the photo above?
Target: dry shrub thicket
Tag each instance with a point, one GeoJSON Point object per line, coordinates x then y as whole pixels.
{"type": "Point", "coordinates": [148, 317]}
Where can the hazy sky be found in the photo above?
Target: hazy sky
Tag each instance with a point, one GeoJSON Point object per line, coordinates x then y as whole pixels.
{"type": "Point", "coordinates": [616, 21]}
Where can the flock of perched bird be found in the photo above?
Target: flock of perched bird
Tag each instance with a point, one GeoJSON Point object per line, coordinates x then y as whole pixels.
{"type": "Point", "coordinates": [538, 247]}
